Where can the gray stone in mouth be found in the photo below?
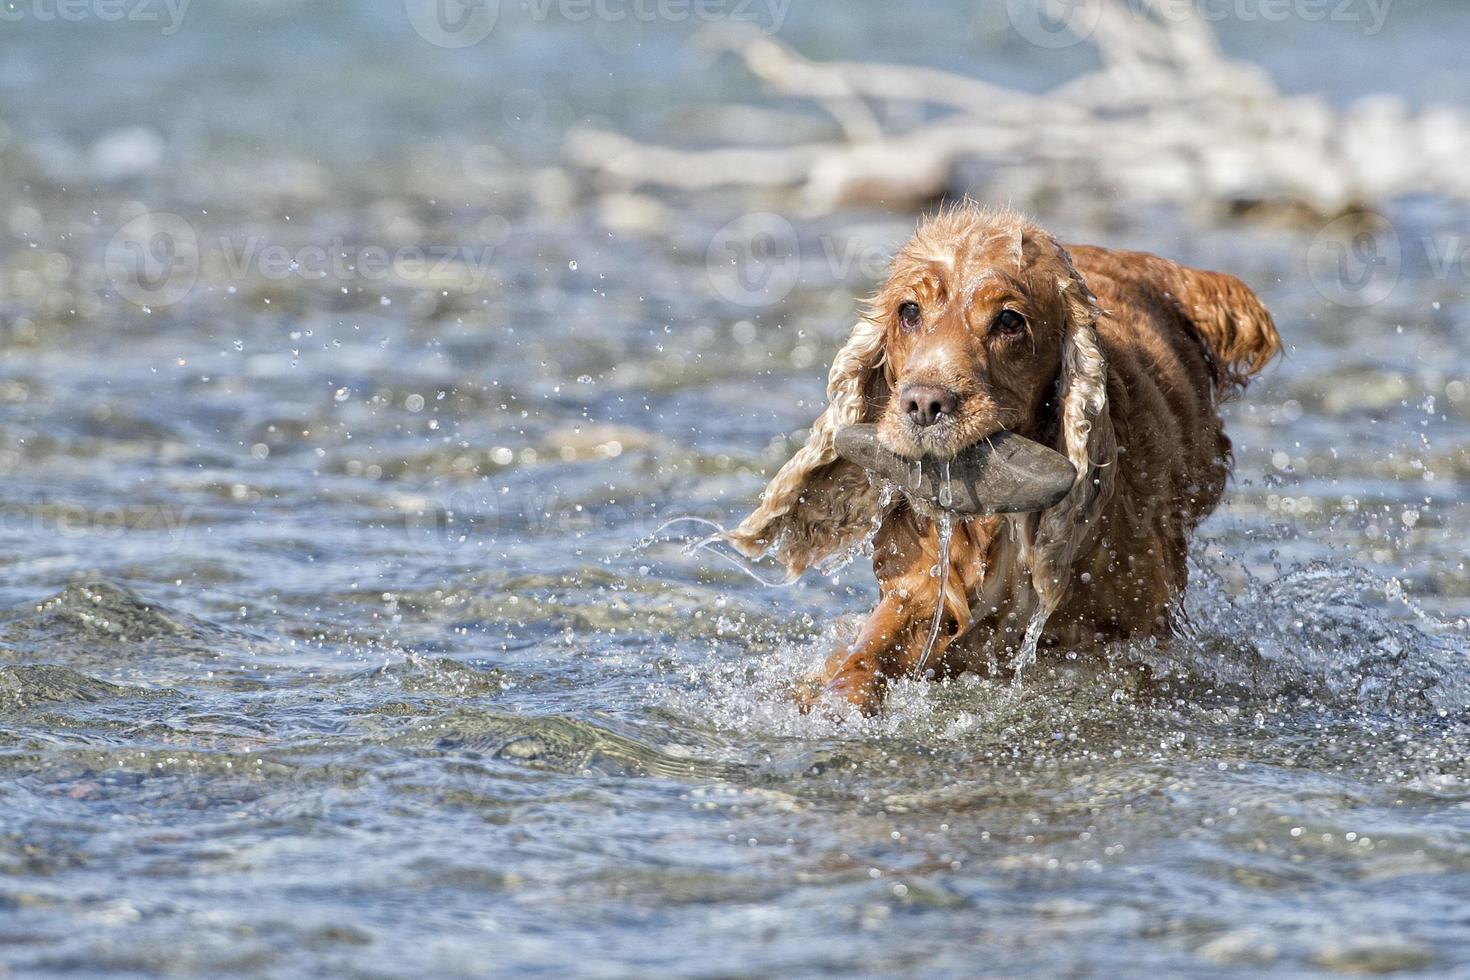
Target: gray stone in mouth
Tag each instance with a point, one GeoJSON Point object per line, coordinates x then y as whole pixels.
{"type": "Point", "coordinates": [1006, 473]}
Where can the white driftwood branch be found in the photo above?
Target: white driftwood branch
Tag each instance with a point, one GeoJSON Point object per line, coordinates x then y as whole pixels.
{"type": "Point", "coordinates": [622, 162]}
{"type": "Point", "coordinates": [1167, 116]}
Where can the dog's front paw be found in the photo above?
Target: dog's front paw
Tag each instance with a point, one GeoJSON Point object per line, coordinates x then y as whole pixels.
{"type": "Point", "coordinates": [805, 694]}
{"type": "Point", "coordinates": [863, 692]}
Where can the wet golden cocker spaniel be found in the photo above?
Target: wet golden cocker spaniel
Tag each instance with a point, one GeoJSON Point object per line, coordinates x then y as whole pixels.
{"type": "Point", "coordinates": [1119, 360]}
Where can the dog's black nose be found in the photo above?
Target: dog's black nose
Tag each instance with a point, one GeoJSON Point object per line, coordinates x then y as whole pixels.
{"type": "Point", "coordinates": [926, 403]}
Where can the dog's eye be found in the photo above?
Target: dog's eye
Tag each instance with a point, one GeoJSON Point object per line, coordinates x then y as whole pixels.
{"type": "Point", "coordinates": [908, 315]}
{"type": "Point", "coordinates": [1009, 323]}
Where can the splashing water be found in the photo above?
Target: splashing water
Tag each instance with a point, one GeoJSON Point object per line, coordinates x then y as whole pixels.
{"type": "Point", "coordinates": [716, 545]}
{"type": "Point", "coordinates": [946, 490]}
{"type": "Point", "coordinates": [1026, 655]}
{"type": "Point", "coordinates": [945, 524]}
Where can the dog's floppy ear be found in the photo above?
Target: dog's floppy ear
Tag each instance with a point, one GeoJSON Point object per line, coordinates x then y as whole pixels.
{"type": "Point", "coordinates": [1066, 530]}
{"type": "Point", "coordinates": [1234, 326]}
{"type": "Point", "coordinates": [1084, 379]}
{"type": "Point", "coordinates": [818, 503]}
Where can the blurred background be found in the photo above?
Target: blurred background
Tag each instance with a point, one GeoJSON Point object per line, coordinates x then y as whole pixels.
{"type": "Point", "coordinates": [351, 357]}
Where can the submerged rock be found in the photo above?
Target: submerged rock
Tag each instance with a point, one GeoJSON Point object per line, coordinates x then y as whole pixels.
{"type": "Point", "coordinates": [24, 685]}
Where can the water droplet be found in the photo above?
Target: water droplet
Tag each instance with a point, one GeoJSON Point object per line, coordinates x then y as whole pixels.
{"type": "Point", "coordinates": [945, 527]}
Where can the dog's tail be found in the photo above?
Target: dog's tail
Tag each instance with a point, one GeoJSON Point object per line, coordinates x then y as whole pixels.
{"type": "Point", "coordinates": [1237, 330]}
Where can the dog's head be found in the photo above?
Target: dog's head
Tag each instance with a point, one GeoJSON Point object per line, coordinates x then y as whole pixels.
{"type": "Point", "coordinates": [976, 317]}
{"type": "Point", "coordinates": [1039, 362]}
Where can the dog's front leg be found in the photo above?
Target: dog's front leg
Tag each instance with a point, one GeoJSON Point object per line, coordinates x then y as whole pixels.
{"type": "Point", "coordinates": [856, 673]}
{"type": "Point", "coordinates": [888, 646]}
{"type": "Point", "coordinates": [892, 640]}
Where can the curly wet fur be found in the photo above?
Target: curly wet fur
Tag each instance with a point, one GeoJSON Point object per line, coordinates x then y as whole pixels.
{"type": "Point", "coordinates": [818, 504]}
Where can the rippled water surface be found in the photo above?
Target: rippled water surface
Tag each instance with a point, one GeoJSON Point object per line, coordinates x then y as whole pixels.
{"type": "Point", "coordinates": [329, 648]}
